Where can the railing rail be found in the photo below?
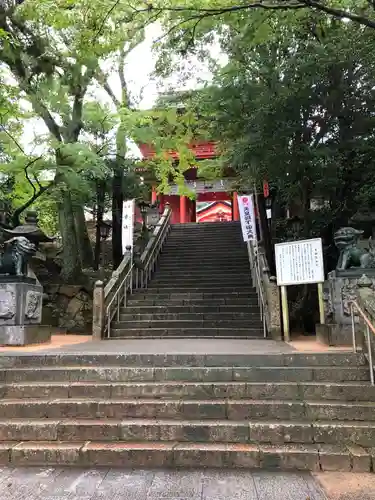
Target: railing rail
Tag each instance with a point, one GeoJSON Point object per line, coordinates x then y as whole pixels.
{"type": "Point", "coordinates": [369, 328]}
{"type": "Point", "coordinates": [130, 275]}
{"type": "Point", "coordinates": [254, 261]}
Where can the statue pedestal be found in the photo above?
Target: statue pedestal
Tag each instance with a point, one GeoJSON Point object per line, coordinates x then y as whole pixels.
{"type": "Point", "coordinates": [21, 311]}
{"type": "Point", "coordinates": [342, 287]}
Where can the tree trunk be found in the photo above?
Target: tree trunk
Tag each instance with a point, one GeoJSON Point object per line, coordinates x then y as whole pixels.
{"type": "Point", "coordinates": [100, 196]}
{"type": "Point", "coordinates": [117, 202]}
{"type": "Point", "coordinates": [71, 260]}
{"type": "Point", "coordinates": [83, 240]}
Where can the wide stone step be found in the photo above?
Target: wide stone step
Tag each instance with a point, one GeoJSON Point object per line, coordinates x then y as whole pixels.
{"type": "Point", "coordinates": [221, 363]}
{"type": "Point", "coordinates": [197, 268]}
{"type": "Point", "coordinates": [234, 410]}
{"type": "Point", "coordinates": [149, 300]}
{"type": "Point", "coordinates": [203, 275]}
{"type": "Point", "coordinates": [211, 374]}
{"type": "Point", "coordinates": [185, 455]}
{"type": "Point", "coordinates": [212, 243]}
{"type": "Point", "coordinates": [216, 252]}
{"type": "Point", "coordinates": [175, 298]}
{"type": "Point", "coordinates": [203, 266]}
{"type": "Point", "coordinates": [214, 282]}
{"type": "Point", "coordinates": [273, 432]}
{"type": "Point", "coordinates": [210, 286]}
{"type": "Point", "coordinates": [208, 309]}
{"type": "Point", "coordinates": [312, 391]}
{"type": "Point", "coordinates": [186, 316]}
{"type": "Point", "coordinates": [252, 325]}
{"type": "Point", "coordinates": [187, 332]}
{"type": "Point", "coordinates": [203, 259]}
{"type": "Point", "coordinates": [194, 293]}
{"type": "Point", "coordinates": [204, 289]}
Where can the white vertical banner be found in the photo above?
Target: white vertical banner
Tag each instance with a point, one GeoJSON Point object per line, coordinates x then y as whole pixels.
{"type": "Point", "coordinates": [127, 224]}
{"type": "Point", "coordinates": [247, 216]}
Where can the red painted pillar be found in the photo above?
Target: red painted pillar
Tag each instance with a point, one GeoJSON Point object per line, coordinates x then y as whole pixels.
{"type": "Point", "coordinates": [236, 212]}
{"type": "Point", "coordinates": [154, 195]}
{"type": "Point", "coordinates": [182, 209]}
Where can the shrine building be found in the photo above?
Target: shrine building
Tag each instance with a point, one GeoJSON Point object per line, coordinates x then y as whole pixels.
{"type": "Point", "coordinates": [215, 200]}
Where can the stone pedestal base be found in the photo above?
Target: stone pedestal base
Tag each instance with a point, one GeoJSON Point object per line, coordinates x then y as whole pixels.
{"type": "Point", "coordinates": [24, 335]}
{"type": "Point", "coordinates": [341, 289]}
{"type": "Point", "coordinates": [323, 334]}
{"type": "Point", "coordinates": [338, 335]}
{"type": "Point", "coordinates": [21, 311]}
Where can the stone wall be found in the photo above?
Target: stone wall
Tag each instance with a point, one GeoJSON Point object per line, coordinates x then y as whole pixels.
{"type": "Point", "coordinates": [68, 307]}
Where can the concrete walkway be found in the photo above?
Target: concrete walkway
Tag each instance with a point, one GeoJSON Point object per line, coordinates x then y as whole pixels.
{"type": "Point", "coordinates": [160, 346]}
{"type": "Point", "coordinates": [111, 484]}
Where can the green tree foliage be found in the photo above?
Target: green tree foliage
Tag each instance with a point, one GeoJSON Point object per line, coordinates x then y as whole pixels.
{"type": "Point", "coordinates": [51, 52]}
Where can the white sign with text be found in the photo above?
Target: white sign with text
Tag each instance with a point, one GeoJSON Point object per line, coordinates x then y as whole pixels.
{"type": "Point", "coordinates": [299, 262]}
{"type": "Point", "coordinates": [127, 224]}
{"type": "Point", "coordinates": [247, 216]}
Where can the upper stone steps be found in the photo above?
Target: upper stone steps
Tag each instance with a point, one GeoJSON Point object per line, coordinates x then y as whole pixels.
{"type": "Point", "coordinates": [172, 309]}
{"type": "Point", "coordinates": [186, 316]}
{"type": "Point", "coordinates": [207, 300]}
{"type": "Point", "coordinates": [204, 288]}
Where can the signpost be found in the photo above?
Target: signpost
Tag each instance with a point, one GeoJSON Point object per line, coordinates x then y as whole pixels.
{"type": "Point", "coordinates": [298, 263]}
{"type": "Point", "coordinates": [127, 224]}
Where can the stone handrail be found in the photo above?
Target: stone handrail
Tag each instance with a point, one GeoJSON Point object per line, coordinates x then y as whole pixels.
{"type": "Point", "coordinates": [104, 295]}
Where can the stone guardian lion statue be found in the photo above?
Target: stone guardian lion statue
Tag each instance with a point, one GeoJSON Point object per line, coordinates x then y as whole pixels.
{"type": "Point", "coordinates": [351, 255]}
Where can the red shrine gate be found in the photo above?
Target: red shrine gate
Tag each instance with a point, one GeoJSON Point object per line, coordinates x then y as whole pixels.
{"type": "Point", "coordinates": [214, 200]}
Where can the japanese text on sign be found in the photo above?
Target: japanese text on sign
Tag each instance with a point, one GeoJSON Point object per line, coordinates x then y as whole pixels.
{"type": "Point", "coordinates": [127, 224]}
{"type": "Point", "coordinates": [299, 262]}
{"type": "Point", "coordinates": [247, 216]}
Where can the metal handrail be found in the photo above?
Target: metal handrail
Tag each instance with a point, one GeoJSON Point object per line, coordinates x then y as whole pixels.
{"type": "Point", "coordinates": [253, 253]}
{"type": "Point", "coordinates": [125, 286]}
{"type": "Point", "coordinates": [369, 327]}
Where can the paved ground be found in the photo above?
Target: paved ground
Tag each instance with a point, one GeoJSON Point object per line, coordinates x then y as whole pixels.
{"type": "Point", "coordinates": [344, 486]}
{"type": "Point", "coordinates": [112, 484]}
{"type": "Point", "coordinates": [163, 346]}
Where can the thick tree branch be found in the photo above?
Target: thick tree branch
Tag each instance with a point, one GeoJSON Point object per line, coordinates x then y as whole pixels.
{"type": "Point", "coordinates": [101, 79]}
{"type": "Point", "coordinates": [316, 5]}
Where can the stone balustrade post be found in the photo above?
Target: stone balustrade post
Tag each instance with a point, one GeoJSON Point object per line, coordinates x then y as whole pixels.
{"type": "Point", "coordinates": [98, 311]}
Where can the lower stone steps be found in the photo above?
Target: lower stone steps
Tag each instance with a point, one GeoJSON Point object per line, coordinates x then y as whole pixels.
{"type": "Point", "coordinates": [272, 432]}
{"type": "Point", "coordinates": [287, 411]}
{"type": "Point", "coordinates": [219, 323]}
{"type": "Point", "coordinates": [264, 374]}
{"type": "Point", "coordinates": [183, 455]}
{"type": "Point", "coordinates": [344, 391]}
{"type": "Point", "coordinates": [244, 409]}
{"type": "Point", "coordinates": [188, 333]}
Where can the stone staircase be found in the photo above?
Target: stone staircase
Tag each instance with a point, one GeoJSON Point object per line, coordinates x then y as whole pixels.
{"type": "Point", "coordinates": [282, 411]}
{"type": "Point", "coordinates": [202, 288]}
